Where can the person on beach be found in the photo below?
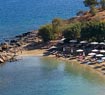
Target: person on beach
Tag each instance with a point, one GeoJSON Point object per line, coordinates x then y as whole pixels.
{"type": "Point", "coordinates": [64, 51]}
{"type": "Point", "coordinates": [80, 58]}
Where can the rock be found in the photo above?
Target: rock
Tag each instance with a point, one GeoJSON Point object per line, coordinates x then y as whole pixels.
{"type": "Point", "coordinates": [1, 60]}
{"type": "Point", "coordinates": [4, 46]}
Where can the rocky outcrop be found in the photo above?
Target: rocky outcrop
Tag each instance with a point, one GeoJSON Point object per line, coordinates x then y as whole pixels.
{"type": "Point", "coordinates": [10, 48]}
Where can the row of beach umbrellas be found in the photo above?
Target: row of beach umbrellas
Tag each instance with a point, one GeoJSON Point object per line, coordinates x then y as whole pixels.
{"type": "Point", "coordinates": [82, 42]}
{"type": "Point", "coordinates": [95, 50]}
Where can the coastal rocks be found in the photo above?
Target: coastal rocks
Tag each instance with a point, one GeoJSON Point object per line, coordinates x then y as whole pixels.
{"type": "Point", "coordinates": [1, 60]}
{"type": "Point", "coordinates": [10, 48]}
{"type": "Point", "coordinates": [5, 58]}
{"type": "Point", "coordinates": [4, 46]}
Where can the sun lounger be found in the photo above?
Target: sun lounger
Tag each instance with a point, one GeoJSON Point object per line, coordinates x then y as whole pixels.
{"type": "Point", "coordinates": [91, 63]}
{"type": "Point", "coordinates": [99, 61]}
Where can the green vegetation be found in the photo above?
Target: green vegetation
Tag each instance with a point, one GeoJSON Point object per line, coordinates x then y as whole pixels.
{"type": "Point", "coordinates": [91, 30]}
{"type": "Point", "coordinates": [45, 32]}
{"type": "Point", "coordinates": [51, 31]}
{"type": "Point", "coordinates": [56, 23]}
{"type": "Point", "coordinates": [91, 4]}
{"type": "Point", "coordinates": [72, 31]}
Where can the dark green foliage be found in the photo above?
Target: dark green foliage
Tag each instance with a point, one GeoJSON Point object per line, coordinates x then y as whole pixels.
{"type": "Point", "coordinates": [56, 23]}
{"type": "Point", "coordinates": [91, 4]}
{"type": "Point", "coordinates": [94, 31]}
{"type": "Point", "coordinates": [91, 31]}
{"type": "Point", "coordinates": [73, 31]}
{"type": "Point", "coordinates": [45, 32]}
{"type": "Point", "coordinates": [51, 31]}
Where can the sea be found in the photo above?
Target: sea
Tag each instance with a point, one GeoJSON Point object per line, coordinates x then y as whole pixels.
{"type": "Point", "coordinates": [20, 16]}
{"type": "Point", "coordinates": [48, 76]}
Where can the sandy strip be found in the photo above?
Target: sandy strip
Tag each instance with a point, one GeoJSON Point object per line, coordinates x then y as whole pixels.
{"type": "Point", "coordinates": [38, 52]}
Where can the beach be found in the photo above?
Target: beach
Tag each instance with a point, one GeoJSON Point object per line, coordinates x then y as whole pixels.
{"type": "Point", "coordinates": [40, 53]}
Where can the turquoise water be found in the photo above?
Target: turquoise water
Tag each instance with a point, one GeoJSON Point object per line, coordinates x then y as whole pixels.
{"type": "Point", "coordinates": [18, 16]}
{"type": "Point", "coordinates": [46, 76]}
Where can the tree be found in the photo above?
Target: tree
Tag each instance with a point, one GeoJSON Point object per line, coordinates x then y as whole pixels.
{"type": "Point", "coordinates": [93, 31]}
{"type": "Point", "coordinates": [73, 31]}
{"type": "Point", "coordinates": [102, 3]}
{"type": "Point", "coordinates": [56, 23]}
{"type": "Point", "coordinates": [45, 32]}
{"type": "Point", "coordinates": [91, 4]}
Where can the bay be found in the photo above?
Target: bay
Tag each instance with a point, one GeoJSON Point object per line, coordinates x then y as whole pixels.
{"type": "Point", "coordinates": [47, 76]}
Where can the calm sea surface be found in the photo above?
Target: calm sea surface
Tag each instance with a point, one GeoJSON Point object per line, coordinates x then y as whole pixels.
{"type": "Point", "coordinates": [18, 16]}
{"type": "Point", "coordinates": [46, 76]}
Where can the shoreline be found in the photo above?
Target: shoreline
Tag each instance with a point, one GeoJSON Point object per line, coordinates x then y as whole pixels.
{"type": "Point", "coordinates": [40, 53]}
{"type": "Point", "coordinates": [28, 44]}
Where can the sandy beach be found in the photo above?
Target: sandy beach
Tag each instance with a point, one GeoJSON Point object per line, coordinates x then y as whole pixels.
{"type": "Point", "coordinates": [37, 52]}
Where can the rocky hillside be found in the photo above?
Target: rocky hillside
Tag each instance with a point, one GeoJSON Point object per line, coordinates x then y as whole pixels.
{"type": "Point", "coordinates": [86, 16]}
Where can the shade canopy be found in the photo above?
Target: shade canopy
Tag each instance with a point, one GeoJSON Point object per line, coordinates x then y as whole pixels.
{"type": "Point", "coordinates": [94, 50]}
{"type": "Point", "coordinates": [102, 43]}
{"type": "Point", "coordinates": [73, 41]}
{"type": "Point", "coordinates": [99, 55]}
{"type": "Point", "coordinates": [92, 54]}
{"type": "Point", "coordinates": [62, 40]}
{"type": "Point", "coordinates": [94, 43]}
{"type": "Point", "coordinates": [83, 42]}
{"type": "Point", "coordinates": [79, 50]}
{"type": "Point", "coordinates": [103, 58]}
{"type": "Point", "coordinates": [102, 51]}
{"type": "Point", "coordinates": [53, 47]}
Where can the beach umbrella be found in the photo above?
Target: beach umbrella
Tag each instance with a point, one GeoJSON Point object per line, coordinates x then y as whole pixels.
{"type": "Point", "coordinates": [99, 55]}
{"type": "Point", "coordinates": [73, 41]}
{"type": "Point", "coordinates": [83, 42]}
{"type": "Point", "coordinates": [94, 43]}
{"type": "Point", "coordinates": [102, 51]}
{"type": "Point", "coordinates": [61, 41]}
{"type": "Point", "coordinates": [103, 58]}
{"type": "Point", "coordinates": [79, 50]}
{"type": "Point", "coordinates": [92, 54]}
{"type": "Point", "coordinates": [94, 50]}
{"type": "Point", "coordinates": [102, 43]}
{"type": "Point", "coordinates": [53, 47]}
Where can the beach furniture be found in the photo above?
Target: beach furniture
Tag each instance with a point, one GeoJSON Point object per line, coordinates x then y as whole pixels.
{"type": "Point", "coordinates": [62, 40]}
{"type": "Point", "coordinates": [95, 50]}
{"type": "Point", "coordinates": [79, 50]}
{"type": "Point", "coordinates": [102, 43]}
{"type": "Point", "coordinates": [83, 42]}
{"type": "Point", "coordinates": [92, 54]}
{"type": "Point", "coordinates": [94, 43]}
{"type": "Point", "coordinates": [73, 41]}
{"type": "Point", "coordinates": [99, 55]}
{"type": "Point", "coordinates": [102, 51]}
{"type": "Point", "coordinates": [53, 47]}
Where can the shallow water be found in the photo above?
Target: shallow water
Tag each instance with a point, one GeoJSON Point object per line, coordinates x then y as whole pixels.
{"type": "Point", "coordinates": [47, 76]}
{"type": "Point", "coordinates": [18, 16]}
